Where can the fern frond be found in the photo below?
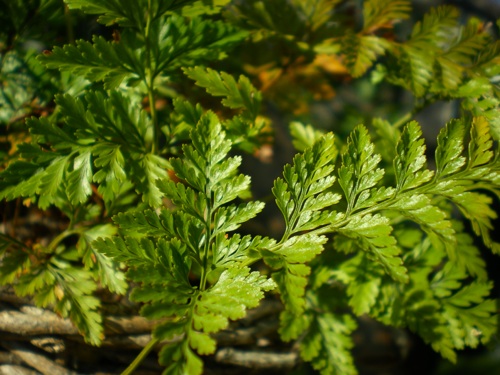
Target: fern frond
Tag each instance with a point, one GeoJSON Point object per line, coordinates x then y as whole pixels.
{"type": "Point", "coordinates": [100, 60]}
{"type": "Point", "coordinates": [301, 196]}
{"type": "Point", "coordinates": [410, 161]}
{"type": "Point", "coordinates": [468, 255]}
{"type": "Point", "coordinates": [304, 136]}
{"type": "Point", "coordinates": [458, 57]}
{"type": "Point", "coordinates": [103, 143]}
{"type": "Point", "coordinates": [124, 13]}
{"type": "Point", "coordinates": [177, 43]}
{"type": "Point", "coordinates": [432, 30]}
{"type": "Point", "coordinates": [327, 344]}
{"type": "Point", "coordinates": [69, 289]}
{"type": "Point", "coordinates": [361, 52]}
{"type": "Point", "coordinates": [237, 94]}
{"type": "Point", "coordinates": [384, 13]}
{"type": "Point", "coordinates": [449, 160]}
{"type": "Point", "coordinates": [162, 248]}
{"type": "Point", "coordinates": [316, 12]}
{"type": "Point", "coordinates": [107, 271]}
{"type": "Point", "coordinates": [359, 172]}
{"type": "Point", "coordinates": [363, 281]}
{"type": "Point", "coordinates": [374, 234]}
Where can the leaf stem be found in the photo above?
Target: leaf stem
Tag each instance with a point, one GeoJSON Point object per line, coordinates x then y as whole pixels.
{"type": "Point", "coordinates": [57, 240]}
{"type": "Point", "coordinates": [142, 355]}
{"type": "Point", "coordinates": [206, 250]}
{"type": "Point", "coordinates": [403, 120]}
{"type": "Point", "coordinates": [13, 241]}
{"type": "Point", "coordinates": [68, 20]}
{"type": "Point", "coordinates": [150, 78]}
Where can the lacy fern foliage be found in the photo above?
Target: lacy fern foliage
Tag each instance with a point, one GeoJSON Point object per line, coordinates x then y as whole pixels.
{"type": "Point", "coordinates": [140, 153]}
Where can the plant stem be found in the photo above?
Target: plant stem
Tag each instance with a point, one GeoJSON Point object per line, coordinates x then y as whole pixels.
{"type": "Point", "coordinates": [13, 241]}
{"type": "Point", "coordinates": [142, 355]}
{"type": "Point", "coordinates": [403, 120]}
{"type": "Point", "coordinates": [53, 244]}
{"type": "Point", "coordinates": [69, 24]}
{"type": "Point", "coordinates": [150, 78]}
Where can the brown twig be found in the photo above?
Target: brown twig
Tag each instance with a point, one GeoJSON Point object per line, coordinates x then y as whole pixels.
{"type": "Point", "coordinates": [267, 307]}
{"type": "Point", "coordinates": [246, 336]}
{"type": "Point", "coordinates": [36, 360]}
{"type": "Point", "coordinates": [31, 321]}
{"type": "Point", "coordinates": [256, 359]}
{"type": "Point", "coordinates": [8, 369]}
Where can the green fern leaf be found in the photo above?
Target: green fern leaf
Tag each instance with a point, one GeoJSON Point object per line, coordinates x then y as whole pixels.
{"type": "Point", "coordinates": [410, 161]}
{"type": "Point", "coordinates": [111, 173]}
{"type": "Point", "coordinates": [480, 144]}
{"type": "Point", "coordinates": [189, 114]}
{"type": "Point", "coordinates": [237, 94]}
{"type": "Point", "coordinates": [146, 222]}
{"type": "Point", "coordinates": [20, 178]}
{"type": "Point", "coordinates": [69, 289]}
{"type": "Point", "coordinates": [418, 65]}
{"type": "Point", "coordinates": [229, 218]}
{"type": "Point", "coordinates": [358, 173]}
{"type": "Point", "coordinates": [80, 178]}
{"type": "Point", "coordinates": [327, 344]}
{"type": "Point", "coordinates": [363, 281]}
{"type": "Point", "coordinates": [180, 359]}
{"type": "Point", "coordinates": [303, 191]}
{"type": "Point", "coordinates": [108, 271]}
{"type": "Point", "coordinates": [384, 13]}
{"type": "Point", "coordinates": [474, 206]}
{"type": "Point", "coordinates": [434, 221]}
{"type": "Point", "coordinates": [472, 315]}
{"type": "Point", "coordinates": [154, 169]}
{"type": "Point", "coordinates": [52, 180]}
{"type": "Point", "coordinates": [228, 251]}
{"type": "Point", "coordinates": [304, 136]}
{"type": "Point", "coordinates": [100, 60]}
{"type": "Point", "coordinates": [14, 260]}
{"type": "Point", "coordinates": [449, 157]}
{"type": "Point", "coordinates": [177, 42]}
{"type": "Point", "coordinates": [416, 59]}
{"type": "Point", "coordinates": [459, 56]}
{"type": "Point", "coordinates": [423, 315]}
{"type": "Point", "coordinates": [291, 277]}
{"type": "Point", "coordinates": [318, 12]}
{"type": "Point", "coordinates": [477, 208]}
{"type": "Point", "coordinates": [373, 232]}
{"type": "Point", "coordinates": [199, 7]}
{"type": "Point", "coordinates": [469, 42]}
{"type": "Point", "coordinates": [468, 256]}
{"type": "Point", "coordinates": [433, 29]}
{"type": "Point", "coordinates": [126, 13]}
{"type": "Point", "coordinates": [236, 291]}
{"type": "Point", "coordinates": [134, 252]}
{"type": "Point", "coordinates": [362, 51]}
{"type": "Point", "coordinates": [292, 282]}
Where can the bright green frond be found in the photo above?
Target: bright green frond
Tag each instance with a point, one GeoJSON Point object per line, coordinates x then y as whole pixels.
{"type": "Point", "coordinates": [374, 235]}
{"type": "Point", "coordinates": [410, 162]}
{"type": "Point", "coordinates": [327, 344]}
{"type": "Point", "coordinates": [359, 171]}
{"type": "Point", "coordinates": [449, 157]}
